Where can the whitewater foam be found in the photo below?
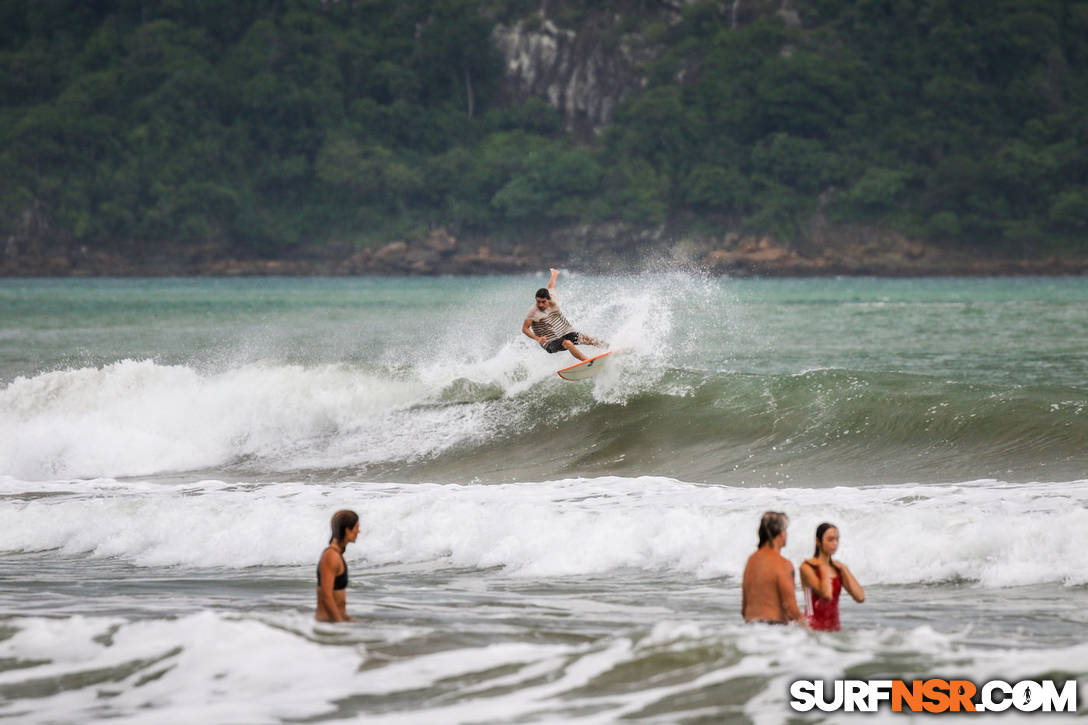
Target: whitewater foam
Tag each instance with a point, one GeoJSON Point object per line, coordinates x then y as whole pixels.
{"type": "Point", "coordinates": [140, 417]}
{"type": "Point", "coordinates": [224, 668]}
{"type": "Point", "coordinates": [137, 418]}
{"type": "Point", "coordinates": [202, 668]}
{"type": "Point", "coordinates": [990, 532]}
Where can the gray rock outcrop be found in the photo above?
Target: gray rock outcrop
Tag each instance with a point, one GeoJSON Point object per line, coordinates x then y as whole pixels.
{"type": "Point", "coordinates": [584, 74]}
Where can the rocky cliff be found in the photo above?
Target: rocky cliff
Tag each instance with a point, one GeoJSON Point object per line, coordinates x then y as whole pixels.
{"type": "Point", "coordinates": [580, 72]}
{"type": "Point", "coordinates": [583, 59]}
{"type": "Point", "coordinates": [585, 63]}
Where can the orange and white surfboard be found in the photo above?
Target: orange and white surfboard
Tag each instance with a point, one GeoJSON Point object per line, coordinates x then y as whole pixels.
{"type": "Point", "coordinates": [587, 368]}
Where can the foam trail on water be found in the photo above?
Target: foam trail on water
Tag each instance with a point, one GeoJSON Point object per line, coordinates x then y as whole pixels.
{"type": "Point", "coordinates": [994, 533]}
{"type": "Point", "coordinates": [225, 668]}
{"type": "Point", "coordinates": [200, 668]}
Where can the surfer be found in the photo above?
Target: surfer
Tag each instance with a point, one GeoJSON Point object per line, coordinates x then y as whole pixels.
{"type": "Point", "coordinates": [332, 570]}
{"type": "Point", "coordinates": [767, 589]}
{"type": "Point", "coordinates": [545, 324]}
{"type": "Point", "coordinates": [824, 579]}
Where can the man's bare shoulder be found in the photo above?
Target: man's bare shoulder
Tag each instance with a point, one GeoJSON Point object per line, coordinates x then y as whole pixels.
{"type": "Point", "coordinates": [784, 564]}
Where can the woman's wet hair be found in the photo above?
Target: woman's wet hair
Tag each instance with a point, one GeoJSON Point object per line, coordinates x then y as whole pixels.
{"type": "Point", "coordinates": [820, 531]}
{"type": "Point", "coordinates": [342, 522]}
{"type": "Point", "coordinates": [543, 293]}
{"type": "Point", "coordinates": [771, 525]}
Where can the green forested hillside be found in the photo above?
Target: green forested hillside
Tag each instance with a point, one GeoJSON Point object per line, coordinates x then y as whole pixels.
{"type": "Point", "coordinates": [260, 124]}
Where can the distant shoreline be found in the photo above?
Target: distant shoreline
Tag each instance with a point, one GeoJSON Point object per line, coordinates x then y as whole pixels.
{"type": "Point", "coordinates": [235, 268]}
{"type": "Point", "coordinates": [849, 253]}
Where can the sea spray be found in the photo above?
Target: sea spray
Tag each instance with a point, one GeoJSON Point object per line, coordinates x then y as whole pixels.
{"type": "Point", "coordinates": [532, 549]}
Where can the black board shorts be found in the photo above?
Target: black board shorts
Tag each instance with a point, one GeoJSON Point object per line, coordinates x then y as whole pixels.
{"type": "Point", "coordinates": [557, 344]}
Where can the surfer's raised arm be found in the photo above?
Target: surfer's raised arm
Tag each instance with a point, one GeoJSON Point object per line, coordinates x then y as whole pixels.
{"type": "Point", "coordinates": [551, 282]}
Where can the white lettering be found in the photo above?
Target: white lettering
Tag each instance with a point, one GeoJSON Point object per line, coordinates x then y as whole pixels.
{"type": "Point", "coordinates": [879, 691]}
{"type": "Point", "coordinates": [994, 696]}
{"type": "Point", "coordinates": [803, 693]}
{"type": "Point", "coordinates": [1065, 701]}
{"type": "Point", "coordinates": [989, 704]}
{"type": "Point", "coordinates": [856, 696]}
{"type": "Point", "coordinates": [835, 703]}
{"type": "Point", "coordinates": [1027, 696]}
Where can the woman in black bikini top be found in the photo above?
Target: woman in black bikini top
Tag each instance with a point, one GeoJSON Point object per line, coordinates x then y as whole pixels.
{"type": "Point", "coordinates": [341, 580]}
{"type": "Point", "coordinates": [332, 570]}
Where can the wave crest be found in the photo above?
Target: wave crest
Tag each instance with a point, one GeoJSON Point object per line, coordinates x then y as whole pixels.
{"type": "Point", "coordinates": [510, 418]}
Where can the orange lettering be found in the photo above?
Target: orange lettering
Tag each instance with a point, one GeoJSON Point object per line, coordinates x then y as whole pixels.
{"type": "Point", "coordinates": [936, 691]}
{"type": "Point", "coordinates": [961, 692]}
{"type": "Point", "coordinates": [912, 695]}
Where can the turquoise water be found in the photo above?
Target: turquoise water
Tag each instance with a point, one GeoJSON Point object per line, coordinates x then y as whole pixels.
{"type": "Point", "coordinates": [892, 380]}
{"type": "Point", "coordinates": [171, 450]}
{"type": "Point", "coordinates": [1020, 330]}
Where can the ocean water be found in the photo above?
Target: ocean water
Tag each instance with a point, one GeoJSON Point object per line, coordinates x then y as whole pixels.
{"type": "Point", "coordinates": [531, 550]}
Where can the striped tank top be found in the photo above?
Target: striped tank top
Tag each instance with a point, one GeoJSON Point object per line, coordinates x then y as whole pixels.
{"type": "Point", "coordinates": [550, 324]}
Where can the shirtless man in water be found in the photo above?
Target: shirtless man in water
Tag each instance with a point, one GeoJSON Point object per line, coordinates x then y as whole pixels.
{"type": "Point", "coordinates": [767, 590]}
{"type": "Point", "coordinates": [545, 324]}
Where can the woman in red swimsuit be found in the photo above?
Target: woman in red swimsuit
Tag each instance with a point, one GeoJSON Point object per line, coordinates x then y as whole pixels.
{"type": "Point", "coordinates": [823, 580]}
